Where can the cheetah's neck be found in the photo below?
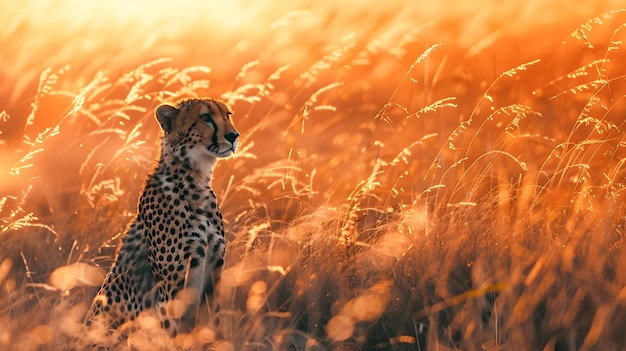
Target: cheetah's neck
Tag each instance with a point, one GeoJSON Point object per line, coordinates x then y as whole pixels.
{"type": "Point", "coordinates": [175, 160]}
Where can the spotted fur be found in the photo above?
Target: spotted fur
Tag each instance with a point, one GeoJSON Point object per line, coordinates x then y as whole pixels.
{"type": "Point", "coordinates": [175, 243]}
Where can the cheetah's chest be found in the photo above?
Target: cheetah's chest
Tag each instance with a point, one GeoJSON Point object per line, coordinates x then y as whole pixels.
{"type": "Point", "coordinates": [176, 202]}
{"type": "Point", "coordinates": [183, 226]}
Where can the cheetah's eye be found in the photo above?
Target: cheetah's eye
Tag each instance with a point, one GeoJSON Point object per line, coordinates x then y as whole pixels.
{"type": "Point", "coordinates": [205, 117]}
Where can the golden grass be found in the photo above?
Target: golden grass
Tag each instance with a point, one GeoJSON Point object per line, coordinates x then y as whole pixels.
{"type": "Point", "coordinates": [411, 176]}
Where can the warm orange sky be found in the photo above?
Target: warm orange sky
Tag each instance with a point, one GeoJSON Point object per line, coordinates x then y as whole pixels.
{"type": "Point", "coordinates": [118, 35]}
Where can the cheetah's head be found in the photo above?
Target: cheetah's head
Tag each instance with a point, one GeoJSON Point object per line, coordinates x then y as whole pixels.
{"type": "Point", "coordinates": [198, 128]}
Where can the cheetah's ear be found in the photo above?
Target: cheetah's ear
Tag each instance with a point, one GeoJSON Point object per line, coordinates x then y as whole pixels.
{"type": "Point", "coordinates": [165, 114]}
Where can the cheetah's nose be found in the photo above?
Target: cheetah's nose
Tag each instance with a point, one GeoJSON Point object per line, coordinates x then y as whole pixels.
{"type": "Point", "coordinates": [231, 137]}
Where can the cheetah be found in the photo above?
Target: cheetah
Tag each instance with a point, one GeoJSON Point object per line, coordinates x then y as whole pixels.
{"type": "Point", "coordinates": [176, 242]}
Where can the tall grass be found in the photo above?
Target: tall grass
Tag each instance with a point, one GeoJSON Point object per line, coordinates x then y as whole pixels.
{"type": "Point", "coordinates": [411, 177]}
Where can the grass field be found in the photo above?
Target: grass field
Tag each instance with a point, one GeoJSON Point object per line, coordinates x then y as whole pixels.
{"type": "Point", "coordinates": [411, 176]}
